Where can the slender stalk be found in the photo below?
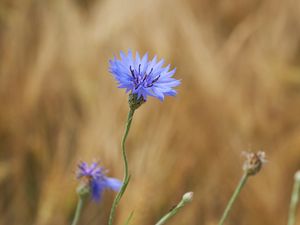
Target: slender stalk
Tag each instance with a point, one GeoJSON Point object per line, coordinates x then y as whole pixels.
{"type": "Point", "coordinates": [126, 174]}
{"type": "Point", "coordinates": [233, 198]}
{"type": "Point", "coordinates": [294, 200]}
{"type": "Point", "coordinates": [170, 214]}
{"type": "Point", "coordinates": [185, 199]}
{"type": "Point", "coordinates": [129, 218]}
{"type": "Point", "coordinates": [78, 210]}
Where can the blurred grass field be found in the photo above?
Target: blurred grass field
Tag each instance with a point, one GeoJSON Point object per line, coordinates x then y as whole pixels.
{"type": "Point", "coordinates": [239, 62]}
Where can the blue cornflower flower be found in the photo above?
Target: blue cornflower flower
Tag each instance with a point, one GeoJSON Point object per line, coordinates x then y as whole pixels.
{"type": "Point", "coordinates": [95, 179]}
{"type": "Point", "coordinates": [142, 77]}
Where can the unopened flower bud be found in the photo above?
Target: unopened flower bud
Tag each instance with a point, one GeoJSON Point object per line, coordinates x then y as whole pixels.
{"type": "Point", "coordinates": [254, 162]}
{"type": "Point", "coordinates": [187, 197]}
{"type": "Point", "coordinates": [297, 176]}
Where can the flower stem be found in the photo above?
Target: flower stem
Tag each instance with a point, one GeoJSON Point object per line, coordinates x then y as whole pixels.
{"type": "Point", "coordinates": [126, 174]}
{"type": "Point", "coordinates": [294, 200]}
{"type": "Point", "coordinates": [233, 198]}
{"type": "Point", "coordinates": [186, 199]}
{"type": "Point", "coordinates": [78, 210]}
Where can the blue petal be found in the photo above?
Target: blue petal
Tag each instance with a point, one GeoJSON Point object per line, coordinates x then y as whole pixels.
{"type": "Point", "coordinates": [96, 190]}
{"type": "Point", "coordinates": [171, 93]}
{"type": "Point", "coordinates": [113, 184]}
{"type": "Point", "coordinates": [159, 65]}
{"type": "Point", "coordinates": [137, 61]}
{"type": "Point", "coordinates": [144, 64]}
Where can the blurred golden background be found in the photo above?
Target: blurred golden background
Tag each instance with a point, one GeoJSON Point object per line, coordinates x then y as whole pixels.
{"type": "Point", "coordinates": [239, 62]}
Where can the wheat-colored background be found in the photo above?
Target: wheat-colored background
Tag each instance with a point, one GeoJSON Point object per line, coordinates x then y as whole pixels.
{"type": "Point", "coordinates": [239, 65]}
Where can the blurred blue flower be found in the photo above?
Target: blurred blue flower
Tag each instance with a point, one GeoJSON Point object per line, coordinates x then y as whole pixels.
{"type": "Point", "coordinates": [94, 177]}
{"type": "Point", "coordinates": [143, 77]}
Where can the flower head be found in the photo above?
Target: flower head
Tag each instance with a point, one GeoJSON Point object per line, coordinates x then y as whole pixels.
{"type": "Point", "coordinates": [94, 179]}
{"type": "Point", "coordinates": [254, 162]}
{"type": "Point", "coordinates": [142, 77]}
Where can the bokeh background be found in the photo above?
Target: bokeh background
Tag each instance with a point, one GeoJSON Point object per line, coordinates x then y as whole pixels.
{"type": "Point", "coordinates": [239, 62]}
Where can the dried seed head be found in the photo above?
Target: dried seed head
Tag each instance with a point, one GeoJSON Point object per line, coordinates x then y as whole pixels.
{"type": "Point", "coordinates": [254, 162]}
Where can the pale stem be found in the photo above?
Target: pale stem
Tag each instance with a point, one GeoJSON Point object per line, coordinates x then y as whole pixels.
{"type": "Point", "coordinates": [294, 200]}
{"type": "Point", "coordinates": [233, 198]}
{"type": "Point", "coordinates": [78, 210]}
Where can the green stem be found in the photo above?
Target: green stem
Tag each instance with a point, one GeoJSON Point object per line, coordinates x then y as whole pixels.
{"type": "Point", "coordinates": [185, 199]}
{"type": "Point", "coordinates": [126, 174]}
{"type": "Point", "coordinates": [78, 211]}
{"type": "Point", "coordinates": [233, 198]}
{"type": "Point", "coordinates": [294, 200]}
{"type": "Point", "coordinates": [170, 214]}
{"type": "Point", "coordinates": [129, 218]}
